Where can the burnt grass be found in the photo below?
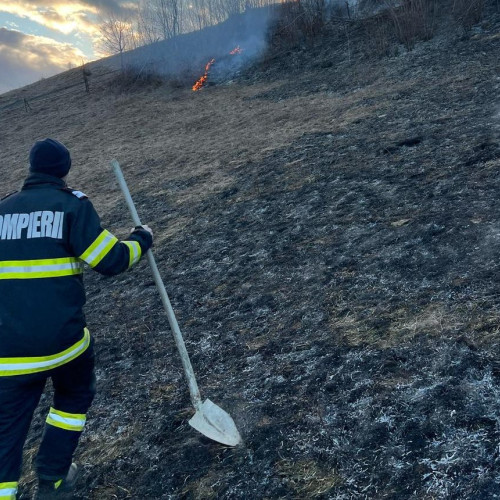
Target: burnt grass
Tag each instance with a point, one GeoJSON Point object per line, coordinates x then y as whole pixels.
{"type": "Point", "coordinates": [339, 298]}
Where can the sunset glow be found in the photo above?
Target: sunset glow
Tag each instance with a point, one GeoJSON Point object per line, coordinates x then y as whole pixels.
{"type": "Point", "coordinates": [39, 38]}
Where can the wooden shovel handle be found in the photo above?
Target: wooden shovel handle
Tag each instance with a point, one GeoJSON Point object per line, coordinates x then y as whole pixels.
{"type": "Point", "coordinates": [179, 341]}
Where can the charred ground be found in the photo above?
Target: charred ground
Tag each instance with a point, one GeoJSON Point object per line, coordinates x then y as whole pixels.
{"type": "Point", "coordinates": [328, 229]}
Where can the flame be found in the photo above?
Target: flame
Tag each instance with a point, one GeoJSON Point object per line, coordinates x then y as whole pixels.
{"type": "Point", "coordinates": [199, 84]}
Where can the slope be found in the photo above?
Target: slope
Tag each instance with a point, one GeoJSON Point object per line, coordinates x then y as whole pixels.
{"type": "Point", "coordinates": [327, 227]}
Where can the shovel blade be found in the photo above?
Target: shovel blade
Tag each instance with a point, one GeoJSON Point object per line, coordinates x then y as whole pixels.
{"type": "Point", "coordinates": [216, 424]}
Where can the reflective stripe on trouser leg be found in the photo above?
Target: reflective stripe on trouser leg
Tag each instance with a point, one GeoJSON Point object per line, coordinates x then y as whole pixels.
{"type": "Point", "coordinates": [8, 491]}
{"type": "Point", "coordinates": [67, 421]}
{"type": "Point", "coordinates": [74, 389]}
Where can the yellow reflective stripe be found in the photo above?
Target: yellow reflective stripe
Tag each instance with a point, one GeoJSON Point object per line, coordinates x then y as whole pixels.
{"type": "Point", "coordinates": [57, 484]}
{"type": "Point", "coordinates": [40, 274]}
{"type": "Point", "coordinates": [135, 252]}
{"type": "Point", "coordinates": [37, 262]}
{"type": "Point", "coordinates": [40, 268]}
{"type": "Point", "coordinates": [99, 248]}
{"type": "Point", "coordinates": [67, 421]}
{"type": "Point", "coordinates": [8, 491]}
{"type": "Point", "coordinates": [23, 366]}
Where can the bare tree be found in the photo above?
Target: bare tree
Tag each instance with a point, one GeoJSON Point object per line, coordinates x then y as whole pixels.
{"type": "Point", "coordinates": [116, 34]}
{"type": "Point", "coordinates": [198, 14]}
{"type": "Point", "coordinates": [160, 19]}
{"type": "Point", "coordinates": [156, 20]}
{"type": "Point", "coordinates": [167, 12]}
{"type": "Point", "coordinates": [147, 25]}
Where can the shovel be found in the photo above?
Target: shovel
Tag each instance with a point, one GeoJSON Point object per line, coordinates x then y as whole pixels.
{"type": "Point", "coordinates": [209, 419]}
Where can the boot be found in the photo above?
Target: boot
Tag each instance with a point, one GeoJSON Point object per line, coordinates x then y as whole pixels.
{"type": "Point", "coordinates": [49, 490]}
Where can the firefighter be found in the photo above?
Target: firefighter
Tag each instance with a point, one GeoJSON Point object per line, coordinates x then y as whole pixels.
{"type": "Point", "coordinates": [47, 232]}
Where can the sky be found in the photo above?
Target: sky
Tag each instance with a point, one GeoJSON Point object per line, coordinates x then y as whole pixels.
{"type": "Point", "coordinates": [39, 38]}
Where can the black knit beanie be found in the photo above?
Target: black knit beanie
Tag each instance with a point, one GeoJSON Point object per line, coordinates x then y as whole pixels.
{"type": "Point", "coordinates": [50, 157]}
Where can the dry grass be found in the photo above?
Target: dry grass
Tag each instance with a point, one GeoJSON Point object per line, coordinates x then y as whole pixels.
{"type": "Point", "coordinates": [295, 288]}
{"type": "Point", "coordinates": [297, 21]}
{"type": "Point", "coordinates": [413, 20]}
{"type": "Point", "coordinates": [111, 491]}
{"type": "Point", "coordinates": [173, 135]}
{"type": "Point", "coordinates": [306, 478]}
{"type": "Point", "coordinates": [379, 30]}
{"type": "Point", "coordinates": [204, 488]}
{"type": "Point", "coordinates": [468, 12]}
{"type": "Point", "coordinates": [434, 320]}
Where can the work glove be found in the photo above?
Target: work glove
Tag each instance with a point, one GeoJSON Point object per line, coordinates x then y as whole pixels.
{"type": "Point", "coordinates": [143, 226]}
{"type": "Point", "coordinates": [145, 233]}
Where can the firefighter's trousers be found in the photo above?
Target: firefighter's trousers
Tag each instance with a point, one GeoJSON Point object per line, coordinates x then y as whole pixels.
{"type": "Point", "coordinates": [74, 390]}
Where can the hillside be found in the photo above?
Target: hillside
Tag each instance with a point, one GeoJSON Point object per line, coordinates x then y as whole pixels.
{"type": "Point", "coordinates": [327, 226]}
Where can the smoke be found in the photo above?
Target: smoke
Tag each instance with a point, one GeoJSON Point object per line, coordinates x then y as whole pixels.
{"type": "Point", "coordinates": [186, 55]}
{"type": "Point", "coordinates": [189, 53]}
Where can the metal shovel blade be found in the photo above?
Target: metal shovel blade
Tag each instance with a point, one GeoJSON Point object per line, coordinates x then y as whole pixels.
{"type": "Point", "coordinates": [213, 422]}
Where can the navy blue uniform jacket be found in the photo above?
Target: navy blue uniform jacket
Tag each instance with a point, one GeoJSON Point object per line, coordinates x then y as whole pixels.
{"type": "Point", "coordinates": [47, 233]}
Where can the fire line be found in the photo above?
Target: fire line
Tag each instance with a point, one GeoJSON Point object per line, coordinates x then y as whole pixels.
{"type": "Point", "coordinates": [199, 84]}
{"type": "Point", "coordinates": [202, 80]}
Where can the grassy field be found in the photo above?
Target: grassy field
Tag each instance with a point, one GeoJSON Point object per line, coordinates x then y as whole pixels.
{"type": "Point", "coordinates": [327, 226]}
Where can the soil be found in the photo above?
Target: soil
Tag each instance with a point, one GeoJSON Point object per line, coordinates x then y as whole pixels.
{"type": "Point", "coordinates": [327, 227]}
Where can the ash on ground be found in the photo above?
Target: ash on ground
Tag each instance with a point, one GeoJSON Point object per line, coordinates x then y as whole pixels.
{"type": "Point", "coordinates": [338, 292]}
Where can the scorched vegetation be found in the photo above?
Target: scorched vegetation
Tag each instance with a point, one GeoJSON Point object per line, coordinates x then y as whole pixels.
{"type": "Point", "coordinates": [327, 226]}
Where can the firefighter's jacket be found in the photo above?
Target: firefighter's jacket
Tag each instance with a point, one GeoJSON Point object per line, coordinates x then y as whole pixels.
{"type": "Point", "coordinates": [47, 232]}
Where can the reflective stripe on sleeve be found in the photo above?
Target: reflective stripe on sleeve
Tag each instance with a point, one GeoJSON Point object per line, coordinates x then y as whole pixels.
{"type": "Point", "coordinates": [99, 248]}
{"type": "Point", "coordinates": [135, 252]}
{"type": "Point", "coordinates": [67, 421]}
{"type": "Point", "coordinates": [40, 268]}
{"type": "Point", "coordinates": [8, 491]}
{"type": "Point", "coordinates": [23, 366]}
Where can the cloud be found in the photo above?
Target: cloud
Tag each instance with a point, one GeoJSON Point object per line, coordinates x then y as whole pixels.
{"type": "Point", "coordinates": [64, 16]}
{"type": "Point", "coordinates": [26, 58]}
